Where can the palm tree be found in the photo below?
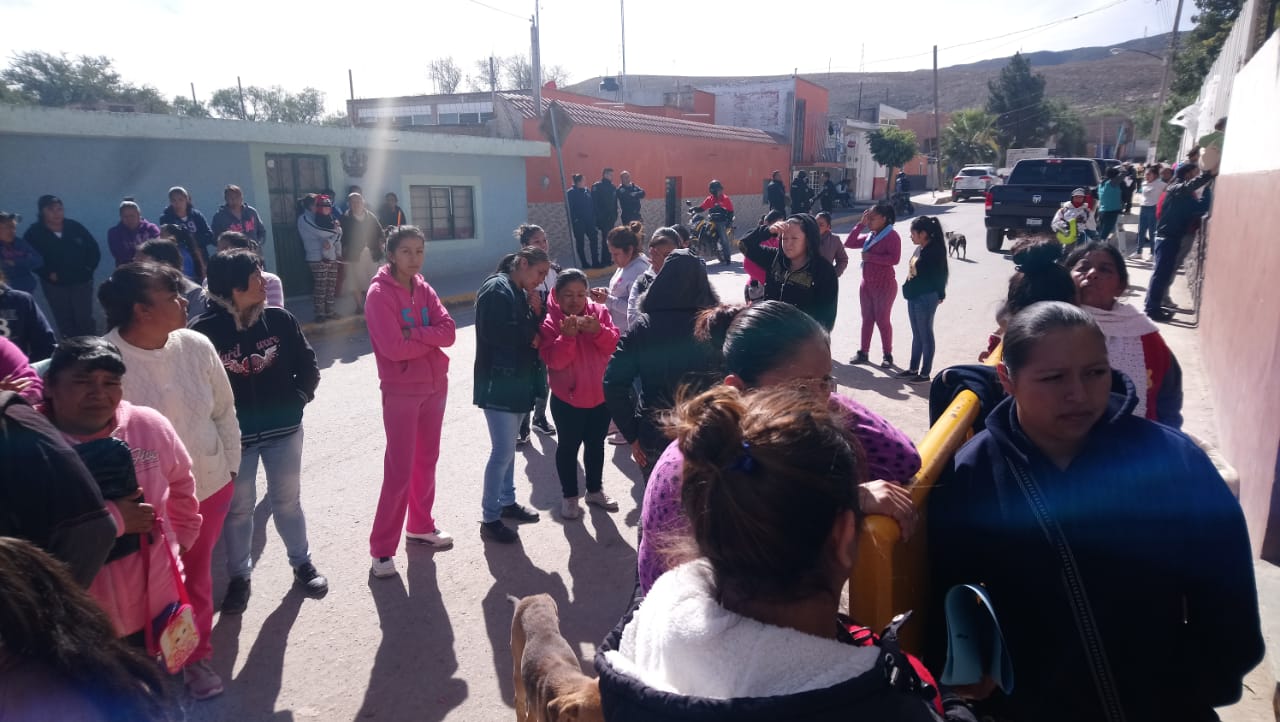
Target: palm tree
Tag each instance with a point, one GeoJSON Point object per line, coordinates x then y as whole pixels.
{"type": "Point", "coordinates": [970, 138]}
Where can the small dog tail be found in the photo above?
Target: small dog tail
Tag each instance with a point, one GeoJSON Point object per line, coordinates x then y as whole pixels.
{"type": "Point", "coordinates": [513, 599]}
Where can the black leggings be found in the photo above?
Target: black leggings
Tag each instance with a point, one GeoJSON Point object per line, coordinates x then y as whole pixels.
{"type": "Point", "coordinates": [579, 427]}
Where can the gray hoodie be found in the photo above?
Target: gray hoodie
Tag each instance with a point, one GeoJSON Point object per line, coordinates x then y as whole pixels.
{"type": "Point", "coordinates": [320, 244]}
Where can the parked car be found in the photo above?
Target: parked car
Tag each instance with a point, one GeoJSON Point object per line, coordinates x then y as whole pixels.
{"type": "Point", "coordinates": [973, 180]}
{"type": "Point", "coordinates": [1035, 190]}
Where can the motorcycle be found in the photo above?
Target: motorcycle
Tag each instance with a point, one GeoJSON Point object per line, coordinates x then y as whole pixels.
{"type": "Point", "coordinates": [707, 226]}
{"type": "Point", "coordinates": [902, 204]}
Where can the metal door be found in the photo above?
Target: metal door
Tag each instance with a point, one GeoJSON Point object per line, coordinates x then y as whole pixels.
{"type": "Point", "coordinates": [673, 200]}
{"type": "Point", "coordinates": [289, 177]}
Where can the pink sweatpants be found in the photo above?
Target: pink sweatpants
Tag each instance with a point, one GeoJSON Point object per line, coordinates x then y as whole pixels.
{"type": "Point", "coordinates": [412, 423]}
{"type": "Point", "coordinates": [876, 299]}
{"type": "Point", "coordinates": [197, 564]}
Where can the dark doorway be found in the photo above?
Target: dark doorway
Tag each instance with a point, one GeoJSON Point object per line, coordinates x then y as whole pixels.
{"type": "Point", "coordinates": [289, 177]}
{"type": "Point", "coordinates": [673, 200]}
{"type": "Point", "coordinates": [797, 138]}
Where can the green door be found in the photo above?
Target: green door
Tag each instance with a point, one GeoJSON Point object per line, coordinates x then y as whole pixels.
{"type": "Point", "coordinates": [289, 177]}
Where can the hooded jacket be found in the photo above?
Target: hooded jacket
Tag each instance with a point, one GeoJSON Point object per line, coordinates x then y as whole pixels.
{"type": "Point", "coordinates": [271, 366]}
{"type": "Point", "coordinates": [19, 261]}
{"type": "Point", "coordinates": [124, 243]}
{"type": "Point", "coordinates": [506, 361]}
{"type": "Point", "coordinates": [22, 322]}
{"type": "Point", "coordinates": [629, 198]}
{"type": "Point", "coordinates": [661, 351]}
{"type": "Point", "coordinates": [1179, 208]}
{"type": "Point", "coordinates": [73, 257]}
{"type": "Point", "coordinates": [681, 657]}
{"type": "Point", "coordinates": [417, 364]}
{"type": "Point", "coordinates": [249, 223]}
{"type": "Point", "coordinates": [1163, 558]}
{"type": "Point", "coordinates": [135, 588]}
{"type": "Point", "coordinates": [576, 364]}
{"type": "Point", "coordinates": [814, 289]}
{"type": "Point", "coordinates": [604, 196]}
{"type": "Point", "coordinates": [195, 223]}
{"type": "Point", "coordinates": [319, 244]}
{"type": "Point", "coordinates": [581, 208]}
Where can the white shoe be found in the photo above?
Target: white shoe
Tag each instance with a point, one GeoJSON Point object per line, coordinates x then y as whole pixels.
{"type": "Point", "coordinates": [438, 539]}
{"type": "Point", "coordinates": [383, 568]}
{"type": "Point", "coordinates": [569, 508]}
{"type": "Point", "coordinates": [602, 500]}
{"type": "Point", "coordinates": [617, 439]}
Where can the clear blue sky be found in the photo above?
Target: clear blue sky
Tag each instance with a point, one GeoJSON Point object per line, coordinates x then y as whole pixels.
{"type": "Point", "coordinates": [387, 45]}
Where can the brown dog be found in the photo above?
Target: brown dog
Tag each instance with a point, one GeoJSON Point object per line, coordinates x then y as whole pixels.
{"type": "Point", "coordinates": [549, 683]}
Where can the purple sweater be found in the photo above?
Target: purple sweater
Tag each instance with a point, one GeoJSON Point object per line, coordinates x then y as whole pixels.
{"type": "Point", "coordinates": [124, 243]}
{"type": "Point", "coordinates": [13, 363]}
{"type": "Point", "coordinates": [890, 456]}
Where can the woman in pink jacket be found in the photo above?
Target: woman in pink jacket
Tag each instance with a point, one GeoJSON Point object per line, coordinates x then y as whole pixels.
{"type": "Point", "coordinates": [881, 250]}
{"type": "Point", "coordinates": [409, 327]}
{"type": "Point", "coordinates": [578, 339]}
{"type": "Point", "coordinates": [83, 399]}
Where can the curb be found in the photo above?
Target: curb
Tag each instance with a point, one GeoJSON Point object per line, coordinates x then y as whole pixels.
{"type": "Point", "coordinates": [350, 323]}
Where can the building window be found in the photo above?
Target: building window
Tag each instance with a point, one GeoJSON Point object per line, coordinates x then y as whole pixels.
{"type": "Point", "coordinates": [444, 212]}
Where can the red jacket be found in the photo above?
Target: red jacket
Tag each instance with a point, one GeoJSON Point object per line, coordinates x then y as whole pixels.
{"type": "Point", "coordinates": [576, 364]}
{"type": "Point", "coordinates": [416, 364]}
{"type": "Point", "coordinates": [723, 201]}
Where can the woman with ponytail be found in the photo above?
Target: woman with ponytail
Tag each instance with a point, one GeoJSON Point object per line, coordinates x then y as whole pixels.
{"type": "Point", "coordinates": [624, 249]}
{"type": "Point", "coordinates": [881, 250]}
{"type": "Point", "coordinates": [924, 289]}
{"type": "Point", "coordinates": [1038, 276]}
{"type": "Point", "coordinates": [748, 627]}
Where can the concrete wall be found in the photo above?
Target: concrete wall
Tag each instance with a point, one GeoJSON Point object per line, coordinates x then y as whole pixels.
{"type": "Point", "coordinates": [1240, 306]}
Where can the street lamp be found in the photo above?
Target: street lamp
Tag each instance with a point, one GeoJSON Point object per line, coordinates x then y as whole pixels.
{"type": "Point", "coordinates": [1164, 88]}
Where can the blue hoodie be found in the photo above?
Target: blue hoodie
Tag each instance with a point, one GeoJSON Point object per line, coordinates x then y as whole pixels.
{"type": "Point", "coordinates": [22, 323]}
{"type": "Point", "coordinates": [19, 260]}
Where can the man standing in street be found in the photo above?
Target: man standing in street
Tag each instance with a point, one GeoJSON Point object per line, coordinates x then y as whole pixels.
{"type": "Point", "coordinates": [604, 194]}
{"type": "Point", "coordinates": [1179, 215]}
{"type": "Point", "coordinates": [801, 193]}
{"type": "Point", "coordinates": [71, 255]}
{"type": "Point", "coordinates": [776, 193]}
{"type": "Point", "coordinates": [827, 196]}
{"type": "Point", "coordinates": [629, 197]}
{"type": "Point", "coordinates": [236, 215]}
{"type": "Point", "coordinates": [583, 214]}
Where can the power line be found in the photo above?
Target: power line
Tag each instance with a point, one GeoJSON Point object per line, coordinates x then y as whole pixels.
{"type": "Point", "coordinates": [498, 10]}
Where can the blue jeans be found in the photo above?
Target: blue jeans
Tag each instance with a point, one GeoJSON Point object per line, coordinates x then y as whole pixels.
{"type": "Point", "coordinates": [920, 312]}
{"type": "Point", "coordinates": [282, 460]}
{"type": "Point", "coordinates": [1107, 223]}
{"type": "Point", "coordinates": [1165, 268]}
{"type": "Point", "coordinates": [1146, 227]}
{"type": "Point", "coordinates": [500, 472]}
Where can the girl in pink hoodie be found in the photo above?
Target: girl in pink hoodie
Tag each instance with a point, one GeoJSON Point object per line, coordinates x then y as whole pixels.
{"type": "Point", "coordinates": [577, 340]}
{"type": "Point", "coordinates": [409, 327]}
{"type": "Point", "coordinates": [881, 250]}
{"type": "Point", "coordinates": [83, 400]}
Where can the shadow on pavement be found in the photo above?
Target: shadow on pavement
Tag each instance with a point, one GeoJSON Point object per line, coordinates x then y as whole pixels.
{"type": "Point", "coordinates": [867, 378]}
{"type": "Point", "coordinates": [252, 695]}
{"type": "Point", "coordinates": [414, 671]}
{"type": "Point", "coordinates": [514, 574]}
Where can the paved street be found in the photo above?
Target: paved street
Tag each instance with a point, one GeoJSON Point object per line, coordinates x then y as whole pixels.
{"type": "Point", "coordinates": [432, 643]}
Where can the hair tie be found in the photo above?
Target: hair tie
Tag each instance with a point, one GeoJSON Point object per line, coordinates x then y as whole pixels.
{"type": "Point", "coordinates": [744, 463]}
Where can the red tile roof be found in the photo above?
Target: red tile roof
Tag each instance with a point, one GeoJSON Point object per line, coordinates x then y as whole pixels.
{"type": "Point", "coordinates": [592, 115]}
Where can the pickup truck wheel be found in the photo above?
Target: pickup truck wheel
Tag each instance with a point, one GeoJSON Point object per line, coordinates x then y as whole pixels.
{"type": "Point", "coordinates": [995, 239]}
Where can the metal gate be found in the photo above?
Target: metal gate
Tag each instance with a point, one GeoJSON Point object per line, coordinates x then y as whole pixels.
{"type": "Point", "coordinates": [289, 177]}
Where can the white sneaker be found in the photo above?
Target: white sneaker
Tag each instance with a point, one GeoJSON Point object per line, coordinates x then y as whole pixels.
{"type": "Point", "coordinates": [384, 567]}
{"type": "Point", "coordinates": [602, 500]}
{"type": "Point", "coordinates": [438, 539]}
{"type": "Point", "coordinates": [617, 439]}
{"type": "Point", "coordinates": [569, 508]}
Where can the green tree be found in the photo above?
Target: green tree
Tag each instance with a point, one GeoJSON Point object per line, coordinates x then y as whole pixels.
{"type": "Point", "coordinates": [1198, 50]}
{"type": "Point", "coordinates": [970, 138]}
{"type": "Point", "coordinates": [270, 105]}
{"type": "Point", "coordinates": [182, 105]}
{"type": "Point", "coordinates": [57, 81]}
{"type": "Point", "coordinates": [445, 74]}
{"type": "Point", "coordinates": [892, 147]}
{"type": "Point", "coordinates": [1066, 128]}
{"type": "Point", "coordinates": [1016, 99]}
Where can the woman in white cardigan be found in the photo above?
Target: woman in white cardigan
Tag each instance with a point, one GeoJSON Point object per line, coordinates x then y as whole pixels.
{"type": "Point", "coordinates": [178, 373]}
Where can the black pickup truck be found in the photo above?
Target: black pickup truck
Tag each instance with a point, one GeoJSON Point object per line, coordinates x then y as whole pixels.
{"type": "Point", "coordinates": [1036, 188]}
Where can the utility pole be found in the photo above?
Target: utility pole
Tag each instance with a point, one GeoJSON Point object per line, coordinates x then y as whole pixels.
{"type": "Point", "coordinates": [622, 7]}
{"type": "Point", "coordinates": [937, 133]}
{"type": "Point", "coordinates": [535, 55]}
{"type": "Point", "coordinates": [193, 95]}
{"type": "Point", "coordinates": [243, 113]}
{"type": "Point", "coordinates": [351, 87]}
{"type": "Point", "coordinates": [859, 115]}
{"type": "Point", "coordinates": [1158, 122]}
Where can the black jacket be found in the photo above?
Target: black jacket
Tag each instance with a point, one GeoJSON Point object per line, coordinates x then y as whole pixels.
{"type": "Point", "coordinates": [74, 257]}
{"type": "Point", "coordinates": [629, 198]}
{"type": "Point", "coordinates": [581, 208]}
{"type": "Point", "coordinates": [801, 196]}
{"type": "Point", "coordinates": [604, 196]}
{"type": "Point", "coordinates": [196, 223]}
{"type": "Point", "coordinates": [47, 496]}
{"type": "Point", "coordinates": [928, 272]}
{"type": "Point", "coordinates": [506, 361]}
{"type": "Point", "coordinates": [776, 192]}
{"type": "Point", "coordinates": [271, 366]}
{"type": "Point", "coordinates": [22, 323]}
{"type": "Point", "coordinates": [1164, 561]}
{"type": "Point", "coordinates": [660, 350]}
{"type": "Point", "coordinates": [814, 289]}
{"type": "Point", "coordinates": [869, 696]}
{"type": "Point", "coordinates": [1180, 207]}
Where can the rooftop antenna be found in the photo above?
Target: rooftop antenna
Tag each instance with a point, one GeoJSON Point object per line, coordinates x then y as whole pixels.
{"type": "Point", "coordinates": [862, 59]}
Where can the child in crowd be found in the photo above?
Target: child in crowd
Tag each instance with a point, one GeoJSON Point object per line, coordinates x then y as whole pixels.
{"type": "Point", "coordinates": [829, 245]}
{"type": "Point", "coordinates": [1037, 277]}
{"type": "Point", "coordinates": [796, 271]}
{"type": "Point", "coordinates": [409, 329]}
{"type": "Point", "coordinates": [881, 250]}
{"type": "Point", "coordinates": [925, 289]}
{"type": "Point", "coordinates": [531, 235]}
{"type": "Point", "coordinates": [275, 288]}
{"type": "Point", "coordinates": [577, 339]}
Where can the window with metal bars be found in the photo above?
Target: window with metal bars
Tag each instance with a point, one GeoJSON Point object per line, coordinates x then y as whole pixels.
{"type": "Point", "coordinates": [443, 212]}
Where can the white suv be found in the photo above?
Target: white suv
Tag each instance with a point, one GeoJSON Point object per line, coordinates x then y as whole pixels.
{"type": "Point", "coordinates": [973, 180]}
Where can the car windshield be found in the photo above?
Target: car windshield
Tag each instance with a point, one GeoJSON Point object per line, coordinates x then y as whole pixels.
{"type": "Point", "coordinates": [974, 172]}
{"type": "Point", "coordinates": [1056, 174]}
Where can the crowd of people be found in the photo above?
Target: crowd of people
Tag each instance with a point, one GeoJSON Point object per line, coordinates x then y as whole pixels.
{"type": "Point", "coordinates": [126, 457]}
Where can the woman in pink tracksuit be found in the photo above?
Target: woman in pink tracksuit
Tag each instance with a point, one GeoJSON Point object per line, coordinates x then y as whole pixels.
{"type": "Point", "coordinates": [409, 327]}
{"type": "Point", "coordinates": [577, 340]}
{"type": "Point", "coordinates": [881, 250]}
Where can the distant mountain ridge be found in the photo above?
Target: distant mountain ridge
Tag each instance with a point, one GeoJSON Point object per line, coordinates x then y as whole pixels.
{"type": "Point", "coordinates": [1089, 79]}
